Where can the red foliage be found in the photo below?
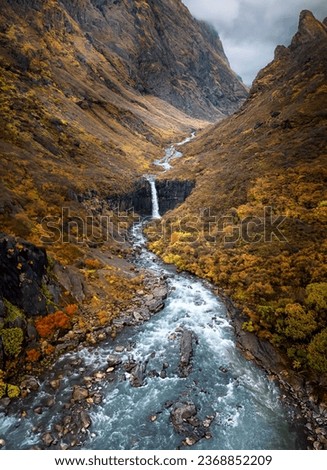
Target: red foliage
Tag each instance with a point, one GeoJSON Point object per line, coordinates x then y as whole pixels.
{"type": "Point", "coordinates": [71, 309]}
{"type": "Point", "coordinates": [33, 355]}
{"type": "Point", "coordinates": [49, 349]}
{"type": "Point", "coordinates": [46, 326]}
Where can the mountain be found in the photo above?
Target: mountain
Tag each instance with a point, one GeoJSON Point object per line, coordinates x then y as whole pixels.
{"type": "Point", "coordinates": [163, 51]}
{"type": "Point", "coordinates": [90, 92]}
{"type": "Point", "coordinates": [255, 222]}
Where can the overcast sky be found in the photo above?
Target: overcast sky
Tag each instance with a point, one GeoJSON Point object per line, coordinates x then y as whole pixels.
{"type": "Point", "coordinates": [251, 29]}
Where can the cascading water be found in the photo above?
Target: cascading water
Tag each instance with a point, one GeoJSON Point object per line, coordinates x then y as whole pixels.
{"type": "Point", "coordinates": [171, 153]}
{"type": "Point", "coordinates": [154, 197]}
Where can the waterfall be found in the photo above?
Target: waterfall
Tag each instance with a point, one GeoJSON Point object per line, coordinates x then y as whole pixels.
{"type": "Point", "coordinates": [154, 197]}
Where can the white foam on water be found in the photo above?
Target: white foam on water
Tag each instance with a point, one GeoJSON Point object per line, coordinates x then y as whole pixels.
{"type": "Point", "coordinates": [171, 153]}
{"type": "Point", "coordinates": [188, 139]}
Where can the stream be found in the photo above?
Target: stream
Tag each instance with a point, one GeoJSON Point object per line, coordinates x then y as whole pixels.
{"type": "Point", "coordinates": [235, 402]}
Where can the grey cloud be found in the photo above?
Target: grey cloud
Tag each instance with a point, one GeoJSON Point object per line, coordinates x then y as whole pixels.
{"type": "Point", "coordinates": [251, 29]}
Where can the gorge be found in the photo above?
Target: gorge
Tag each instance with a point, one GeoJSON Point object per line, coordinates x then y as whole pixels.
{"type": "Point", "coordinates": [94, 314]}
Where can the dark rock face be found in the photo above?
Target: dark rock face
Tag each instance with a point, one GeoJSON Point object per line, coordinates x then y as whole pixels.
{"type": "Point", "coordinates": [22, 266]}
{"type": "Point", "coordinates": [138, 200]}
{"type": "Point", "coordinates": [157, 33]}
{"type": "Point", "coordinates": [171, 193]}
{"type": "Point", "coordinates": [186, 351]}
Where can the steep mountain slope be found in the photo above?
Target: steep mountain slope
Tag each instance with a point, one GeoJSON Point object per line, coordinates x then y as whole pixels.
{"type": "Point", "coordinates": [90, 93]}
{"type": "Point", "coordinates": [255, 222]}
{"type": "Point", "coordinates": [163, 51]}
{"type": "Point", "coordinates": [72, 115]}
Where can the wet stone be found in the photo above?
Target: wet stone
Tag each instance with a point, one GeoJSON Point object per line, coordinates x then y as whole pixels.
{"type": "Point", "coordinates": [55, 384]}
{"type": "Point", "coordinates": [186, 353]}
{"type": "Point", "coordinates": [79, 393]}
{"type": "Point", "coordinates": [50, 402]}
{"type": "Point", "coordinates": [97, 398]}
{"type": "Point", "coordinates": [99, 375]}
{"type": "Point", "coordinates": [47, 439]}
{"type": "Point", "coordinates": [113, 360]}
{"type": "Point", "coordinates": [138, 375]}
{"type": "Point", "coordinates": [4, 402]}
{"type": "Point", "coordinates": [186, 422]}
{"type": "Point", "coordinates": [85, 419]}
{"type": "Point", "coordinates": [30, 384]}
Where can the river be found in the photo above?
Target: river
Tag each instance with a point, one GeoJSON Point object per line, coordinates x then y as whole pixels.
{"type": "Point", "coordinates": [246, 405]}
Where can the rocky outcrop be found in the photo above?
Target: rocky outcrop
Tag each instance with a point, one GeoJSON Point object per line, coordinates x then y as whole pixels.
{"type": "Point", "coordinates": [171, 193]}
{"type": "Point", "coordinates": [186, 422]}
{"type": "Point", "coordinates": [309, 30]}
{"type": "Point", "coordinates": [22, 267]}
{"type": "Point", "coordinates": [186, 353]}
{"type": "Point", "coordinates": [164, 52]}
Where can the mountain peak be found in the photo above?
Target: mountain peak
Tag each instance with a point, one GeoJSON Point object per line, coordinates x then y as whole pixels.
{"type": "Point", "coordinates": [309, 29]}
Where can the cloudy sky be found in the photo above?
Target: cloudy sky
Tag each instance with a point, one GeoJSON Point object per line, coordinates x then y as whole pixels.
{"type": "Point", "coordinates": [251, 29]}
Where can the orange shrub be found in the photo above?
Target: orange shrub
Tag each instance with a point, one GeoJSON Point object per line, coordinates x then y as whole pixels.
{"type": "Point", "coordinates": [33, 355]}
{"type": "Point", "coordinates": [46, 326]}
{"type": "Point", "coordinates": [92, 263]}
{"type": "Point", "coordinates": [71, 309]}
{"type": "Point", "coordinates": [49, 349]}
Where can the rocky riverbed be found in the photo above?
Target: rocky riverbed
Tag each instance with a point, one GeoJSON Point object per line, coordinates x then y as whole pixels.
{"type": "Point", "coordinates": [170, 377]}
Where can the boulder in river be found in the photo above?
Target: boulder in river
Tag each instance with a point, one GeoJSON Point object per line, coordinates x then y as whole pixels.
{"type": "Point", "coordinates": [80, 393]}
{"type": "Point", "coordinates": [138, 375]}
{"type": "Point", "coordinates": [30, 384]}
{"type": "Point", "coordinates": [186, 353]}
{"type": "Point", "coordinates": [186, 422]}
{"type": "Point", "coordinates": [130, 365]}
{"type": "Point", "coordinates": [47, 439]}
{"type": "Point", "coordinates": [113, 360]}
{"type": "Point", "coordinates": [55, 384]}
{"type": "Point", "coordinates": [85, 419]}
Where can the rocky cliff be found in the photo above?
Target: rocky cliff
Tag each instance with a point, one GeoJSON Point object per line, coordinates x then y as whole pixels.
{"type": "Point", "coordinates": [163, 51]}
